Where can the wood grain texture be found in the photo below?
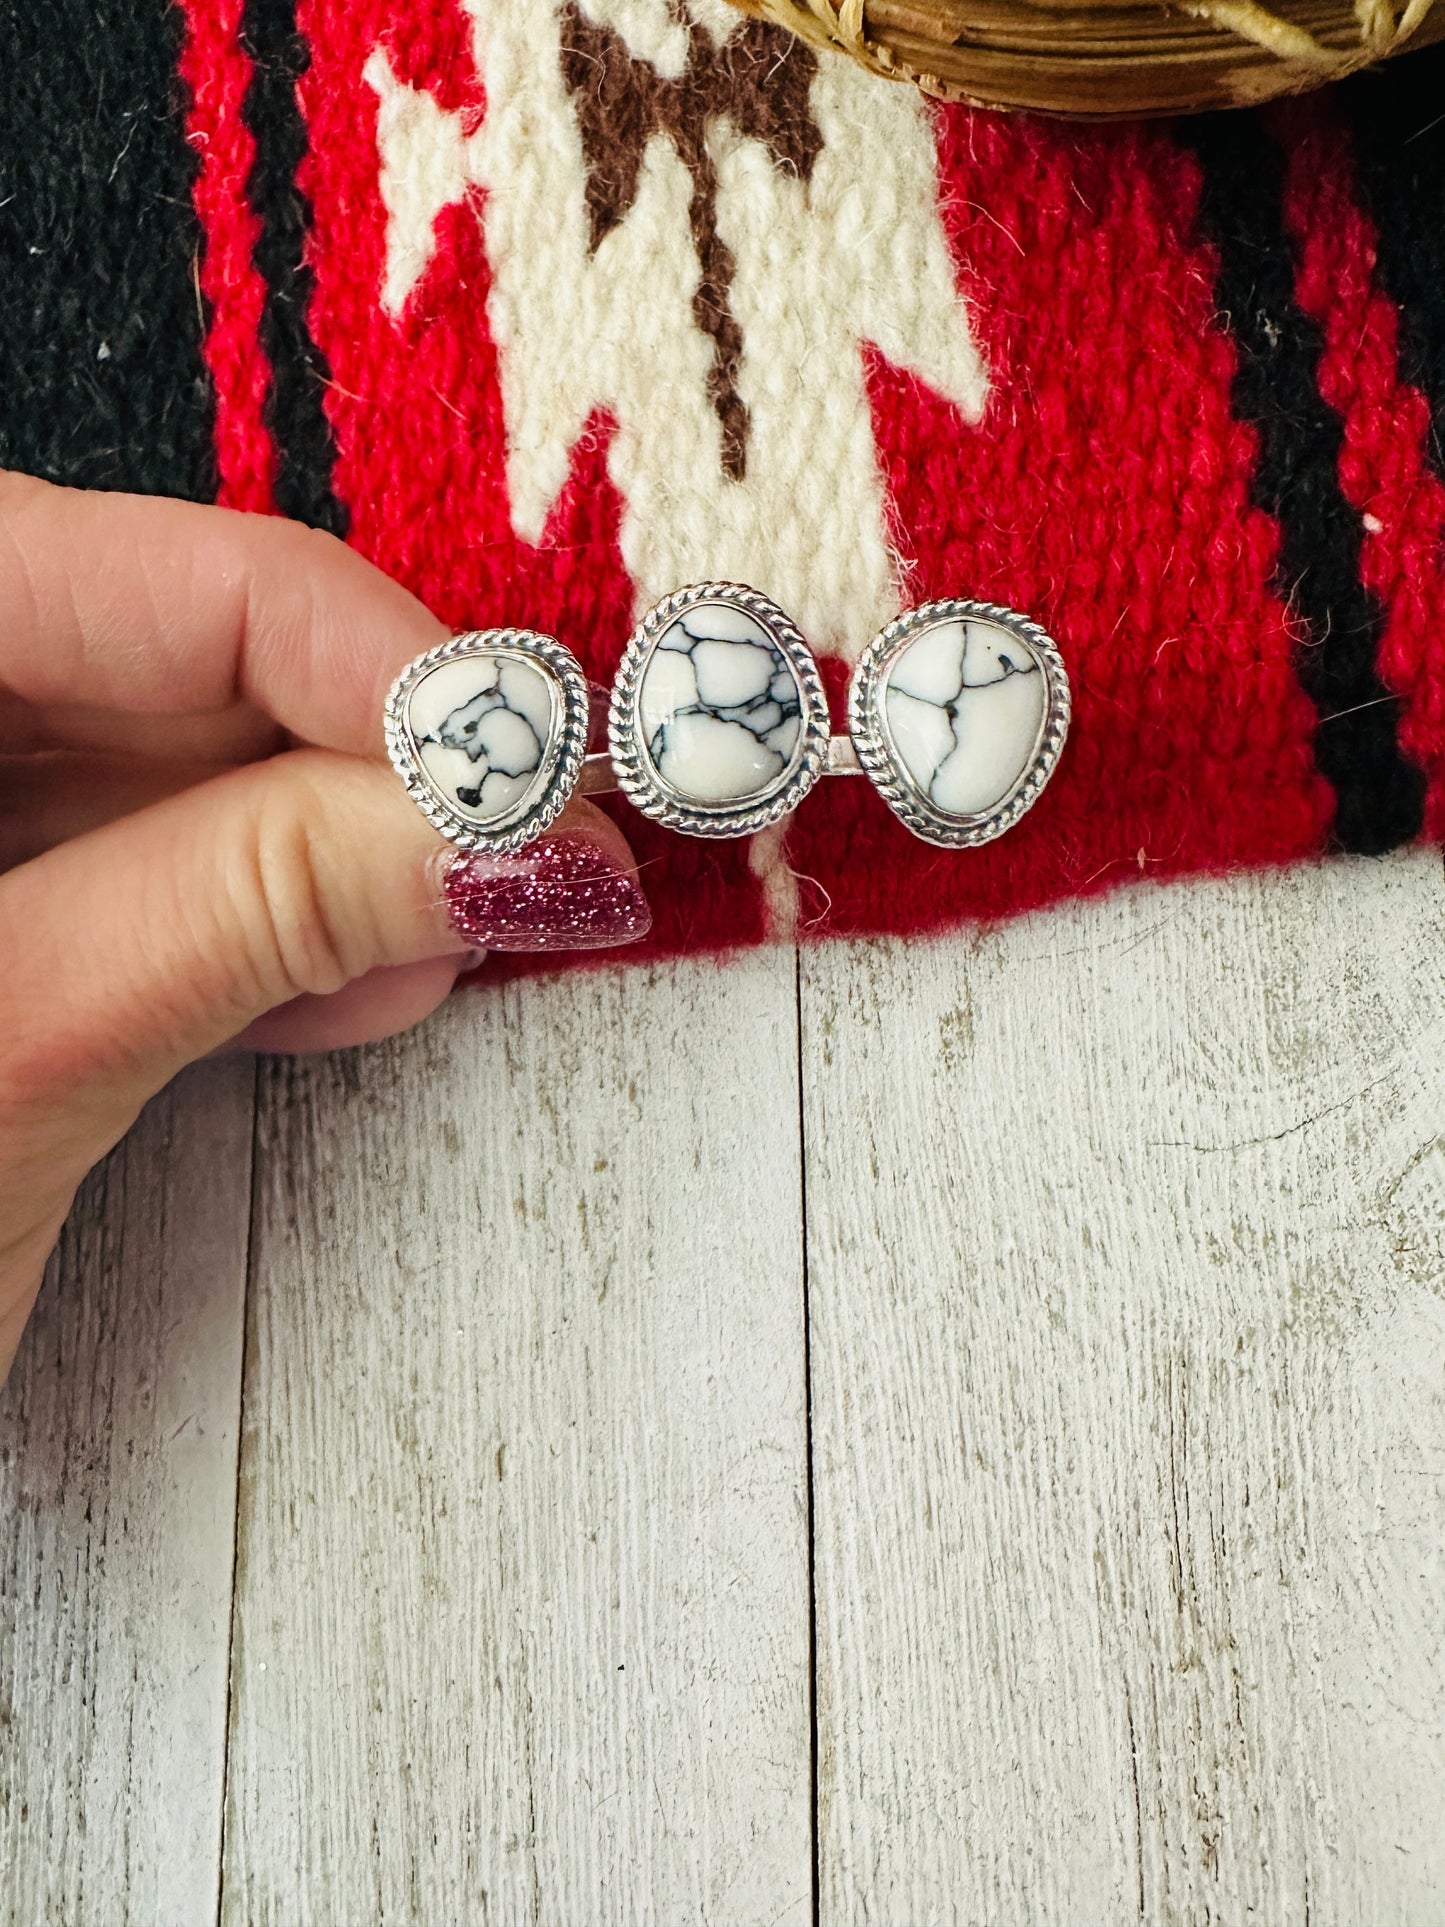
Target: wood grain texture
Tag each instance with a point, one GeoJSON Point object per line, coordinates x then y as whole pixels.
{"type": "Point", "coordinates": [1127, 1287]}
{"type": "Point", "coordinates": [118, 1433]}
{"type": "Point", "coordinates": [521, 1629]}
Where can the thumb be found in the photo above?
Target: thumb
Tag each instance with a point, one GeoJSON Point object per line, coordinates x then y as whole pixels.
{"type": "Point", "coordinates": [138, 947]}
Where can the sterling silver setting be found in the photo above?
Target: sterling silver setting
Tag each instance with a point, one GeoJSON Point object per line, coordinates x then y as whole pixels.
{"type": "Point", "coordinates": [744, 618]}
{"type": "Point", "coordinates": [718, 722]}
{"type": "Point", "coordinates": [549, 784]}
{"type": "Point", "coordinates": [875, 737]}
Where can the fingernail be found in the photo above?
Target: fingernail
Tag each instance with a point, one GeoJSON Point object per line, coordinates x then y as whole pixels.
{"type": "Point", "coordinates": [563, 893]}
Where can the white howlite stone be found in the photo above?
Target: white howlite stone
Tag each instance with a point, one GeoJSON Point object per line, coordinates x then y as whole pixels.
{"type": "Point", "coordinates": [965, 705]}
{"type": "Point", "coordinates": [482, 725]}
{"type": "Point", "coordinates": [720, 707]}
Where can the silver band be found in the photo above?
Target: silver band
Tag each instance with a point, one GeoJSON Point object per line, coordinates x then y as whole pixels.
{"type": "Point", "coordinates": [718, 722]}
{"type": "Point", "coordinates": [599, 778]}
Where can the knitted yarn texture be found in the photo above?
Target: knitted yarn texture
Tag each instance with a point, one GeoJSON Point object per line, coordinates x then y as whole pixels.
{"type": "Point", "coordinates": [551, 306]}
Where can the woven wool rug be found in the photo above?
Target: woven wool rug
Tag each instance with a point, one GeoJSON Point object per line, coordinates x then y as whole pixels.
{"type": "Point", "coordinates": [552, 306]}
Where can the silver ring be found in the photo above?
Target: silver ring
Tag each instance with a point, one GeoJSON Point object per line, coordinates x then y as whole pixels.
{"type": "Point", "coordinates": [489, 732]}
{"type": "Point", "coordinates": [718, 722]}
{"type": "Point", "coordinates": [958, 712]}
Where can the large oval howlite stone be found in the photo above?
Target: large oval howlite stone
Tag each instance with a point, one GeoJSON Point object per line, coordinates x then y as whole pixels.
{"type": "Point", "coordinates": [482, 725]}
{"type": "Point", "coordinates": [720, 707]}
{"type": "Point", "coordinates": [965, 705]}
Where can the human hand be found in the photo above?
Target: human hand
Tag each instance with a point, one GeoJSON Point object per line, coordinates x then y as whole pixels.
{"type": "Point", "coordinates": [200, 841]}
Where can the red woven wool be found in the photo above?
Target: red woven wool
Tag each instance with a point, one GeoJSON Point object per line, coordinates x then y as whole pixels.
{"type": "Point", "coordinates": [830, 326]}
{"type": "Point", "coordinates": [1107, 493]}
{"type": "Point", "coordinates": [216, 74]}
{"type": "Point", "coordinates": [1387, 425]}
{"type": "Point", "coordinates": [417, 410]}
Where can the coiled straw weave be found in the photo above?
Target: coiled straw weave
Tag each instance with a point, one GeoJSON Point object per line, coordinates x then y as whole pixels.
{"type": "Point", "coordinates": [1111, 58]}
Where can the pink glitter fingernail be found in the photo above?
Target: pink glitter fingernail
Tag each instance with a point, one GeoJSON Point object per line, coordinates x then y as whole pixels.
{"type": "Point", "coordinates": [562, 893]}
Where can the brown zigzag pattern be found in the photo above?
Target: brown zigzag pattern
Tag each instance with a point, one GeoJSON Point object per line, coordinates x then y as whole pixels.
{"type": "Point", "coordinates": [759, 79]}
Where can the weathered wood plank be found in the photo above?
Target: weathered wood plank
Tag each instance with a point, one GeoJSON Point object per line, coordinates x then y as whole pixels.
{"type": "Point", "coordinates": [522, 1615]}
{"type": "Point", "coordinates": [1128, 1375]}
{"type": "Point", "coordinates": [118, 1433]}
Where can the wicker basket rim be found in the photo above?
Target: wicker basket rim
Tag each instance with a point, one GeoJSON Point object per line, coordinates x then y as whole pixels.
{"type": "Point", "coordinates": [964, 49]}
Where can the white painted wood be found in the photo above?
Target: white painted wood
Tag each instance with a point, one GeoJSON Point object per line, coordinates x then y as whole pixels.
{"type": "Point", "coordinates": [117, 1505]}
{"type": "Point", "coordinates": [1128, 1350]}
{"type": "Point", "coordinates": [1127, 1246]}
{"type": "Point", "coordinates": [522, 1616]}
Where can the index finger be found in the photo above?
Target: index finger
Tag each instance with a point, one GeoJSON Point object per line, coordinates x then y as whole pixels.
{"type": "Point", "coordinates": [162, 608]}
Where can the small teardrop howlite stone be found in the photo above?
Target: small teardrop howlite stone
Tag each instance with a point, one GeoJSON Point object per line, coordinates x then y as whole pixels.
{"type": "Point", "coordinates": [482, 726]}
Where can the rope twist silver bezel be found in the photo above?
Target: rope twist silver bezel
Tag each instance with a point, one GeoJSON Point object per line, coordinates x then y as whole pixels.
{"type": "Point", "coordinates": [636, 776]}
{"type": "Point", "coordinates": [879, 759]}
{"type": "Point", "coordinates": [565, 750]}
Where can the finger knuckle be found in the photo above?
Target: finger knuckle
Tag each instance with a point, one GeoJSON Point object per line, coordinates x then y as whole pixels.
{"type": "Point", "coordinates": [297, 944]}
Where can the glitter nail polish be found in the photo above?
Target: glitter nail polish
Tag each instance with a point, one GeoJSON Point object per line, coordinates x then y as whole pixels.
{"type": "Point", "coordinates": [562, 893]}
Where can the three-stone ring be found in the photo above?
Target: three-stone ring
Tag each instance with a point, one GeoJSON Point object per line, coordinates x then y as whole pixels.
{"type": "Point", "coordinates": [718, 722]}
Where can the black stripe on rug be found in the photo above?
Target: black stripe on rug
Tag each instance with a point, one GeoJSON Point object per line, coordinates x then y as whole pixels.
{"type": "Point", "coordinates": [102, 380]}
{"type": "Point", "coordinates": [295, 415]}
{"type": "Point", "coordinates": [1398, 117]}
{"type": "Point", "coordinates": [1379, 793]}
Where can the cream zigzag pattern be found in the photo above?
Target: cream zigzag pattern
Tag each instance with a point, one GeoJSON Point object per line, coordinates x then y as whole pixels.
{"type": "Point", "coordinates": [855, 254]}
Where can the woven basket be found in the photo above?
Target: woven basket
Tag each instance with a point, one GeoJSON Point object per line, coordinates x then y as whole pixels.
{"type": "Point", "coordinates": [1108, 59]}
